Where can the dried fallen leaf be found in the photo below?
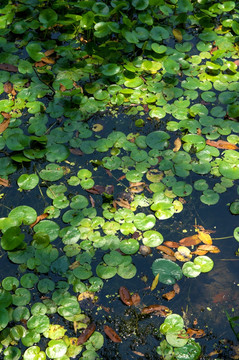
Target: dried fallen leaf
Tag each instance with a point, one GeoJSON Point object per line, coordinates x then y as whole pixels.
{"type": "Point", "coordinates": [8, 87]}
{"type": "Point", "coordinates": [4, 182]}
{"type": "Point", "coordinates": [172, 244]}
{"type": "Point", "coordinates": [76, 152]}
{"type": "Point", "coordinates": [123, 203]}
{"type": "Point", "coordinates": [4, 125]}
{"type": "Point", "coordinates": [211, 248]}
{"type": "Point", "coordinates": [92, 201]}
{"type": "Point", "coordinates": [190, 240]}
{"type": "Point", "coordinates": [112, 334]}
{"type": "Point", "coordinates": [222, 144]}
{"type": "Point", "coordinates": [49, 52]}
{"type": "Point", "coordinates": [155, 282]}
{"type": "Point", "coordinates": [136, 189]}
{"type": "Point", "coordinates": [39, 218]}
{"type": "Point", "coordinates": [125, 296]}
{"type": "Point", "coordinates": [138, 353]}
{"type": "Point", "coordinates": [199, 252]}
{"type": "Point", "coordinates": [178, 35]}
{"type": "Point", "coordinates": [86, 334]}
{"type": "Point", "coordinates": [177, 144]}
{"type": "Point", "coordinates": [165, 250]}
{"type": "Point", "coordinates": [86, 295]}
{"type": "Point", "coordinates": [176, 288]}
{"type": "Point", "coordinates": [48, 60]}
{"type": "Point", "coordinates": [97, 127]}
{"type": "Point", "coordinates": [205, 238]}
{"type": "Point", "coordinates": [8, 67]}
{"type": "Point", "coordinates": [169, 295]}
{"type": "Point", "coordinates": [74, 265]}
{"type": "Point", "coordinates": [161, 309]}
{"type": "Point", "coordinates": [183, 254]}
{"type": "Point", "coordinates": [196, 333]}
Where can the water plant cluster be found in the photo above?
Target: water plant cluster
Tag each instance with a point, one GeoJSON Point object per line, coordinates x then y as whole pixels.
{"type": "Point", "coordinates": [171, 66]}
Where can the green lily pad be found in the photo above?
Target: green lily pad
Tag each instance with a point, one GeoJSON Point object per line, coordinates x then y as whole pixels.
{"type": "Point", "coordinates": [173, 324]}
{"type": "Point", "coordinates": [168, 271]}
{"type": "Point", "coordinates": [52, 172]}
{"type": "Point", "coordinates": [190, 351]}
{"type": "Point", "coordinates": [152, 238]}
{"type": "Point", "coordinates": [229, 170]}
{"type": "Point", "coordinates": [206, 264]}
{"type": "Point", "coordinates": [105, 272]}
{"type": "Point", "coordinates": [129, 246]}
{"type": "Point", "coordinates": [144, 222]}
{"type": "Point", "coordinates": [12, 239]}
{"type": "Point", "coordinates": [26, 214]}
{"type": "Point", "coordinates": [127, 271]}
{"type": "Point", "coordinates": [28, 182]}
{"type": "Point", "coordinates": [34, 353]}
{"type": "Point", "coordinates": [157, 140]}
{"type": "Point", "coordinates": [191, 269]}
{"type": "Point", "coordinates": [209, 197]}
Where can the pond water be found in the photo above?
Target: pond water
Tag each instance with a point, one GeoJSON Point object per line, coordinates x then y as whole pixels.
{"type": "Point", "coordinates": [202, 301]}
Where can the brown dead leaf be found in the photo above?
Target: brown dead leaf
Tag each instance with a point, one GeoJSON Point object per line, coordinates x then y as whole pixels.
{"type": "Point", "coordinates": [39, 64]}
{"type": "Point", "coordinates": [172, 244]}
{"type": "Point", "coordinates": [92, 201]}
{"type": "Point", "coordinates": [86, 295]}
{"type": "Point", "coordinates": [4, 182]}
{"type": "Point", "coordinates": [221, 144]}
{"type": "Point", "coordinates": [8, 87]}
{"type": "Point", "coordinates": [178, 35]}
{"type": "Point", "coordinates": [176, 288]}
{"type": "Point", "coordinates": [125, 296]}
{"type": "Point", "coordinates": [86, 334]}
{"type": "Point", "coordinates": [161, 309]}
{"type": "Point", "coordinates": [62, 87]}
{"type": "Point", "coordinates": [169, 295]}
{"type": "Point", "coordinates": [76, 152]}
{"type": "Point", "coordinates": [4, 125]}
{"type": "Point", "coordinates": [199, 252]}
{"type": "Point", "coordinates": [8, 67]}
{"type": "Point", "coordinates": [112, 334]}
{"type": "Point", "coordinates": [121, 178]}
{"type": "Point", "coordinates": [190, 240]}
{"type": "Point", "coordinates": [138, 353]}
{"type": "Point", "coordinates": [48, 60]}
{"type": "Point", "coordinates": [196, 333]}
{"type": "Point", "coordinates": [169, 257]}
{"type": "Point", "coordinates": [205, 238]}
{"type": "Point", "coordinates": [123, 203]}
{"type": "Point", "coordinates": [177, 144]}
{"type": "Point", "coordinates": [211, 248]}
{"type": "Point", "coordinates": [39, 218]}
{"type": "Point", "coordinates": [136, 189]}
{"type": "Point", "coordinates": [49, 52]}
{"type": "Point", "coordinates": [165, 250]}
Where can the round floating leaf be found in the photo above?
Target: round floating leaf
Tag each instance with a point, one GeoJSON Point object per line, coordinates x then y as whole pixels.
{"type": "Point", "coordinates": [28, 182]}
{"type": "Point", "coordinates": [30, 338]}
{"type": "Point", "coordinates": [144, 222]}
{"type": "Point", "coordinates": [236, 233]}
{"type": "Point", "coordinates": [176, 341]}
{"type": "Point", "coordinates": [26, 214]}
{"type": "Point", "coordinates": [21, 297]}
{"type": "Point", "coordinates": [234, 207]}
{"type": "Point", "coordinates": [190, 351]}
{"type": "Point", "coordinates": [134, 176]}
{"type": "Point", "coordinates": [105, 272]}
{"type": "Point", "coordinates": [193, 142]}
{"type": "Point", "coordinates": [173, 324]}
{"type": "Point", "coordinates": [229, 170]}
{"type": "Point", "coordinates": [206, 264]}
{"type": "Point", "coordinates": [5, 298]}
{"type": "Point", "coordinates": [140, 4]}
{"type": "Point", "coordinates": [110, 69]}
{"type": "Point", "coordinates": [129, 246]}
{"type": "Point", "coordinates": [152, 238]}
{"type": "Point", "coordinates": [114, 258]}
{"type": "Point", "coordinates": [10, 283]}
{"type": "Point", "coordinates": [168, 271]}
{"type": "Point", "coordinates": [38, 323]}
{"type": "Point", "coordinates": [48, 227]}
{"type": "Point", "coordinates": [83, 272]}
{"type": "Point", "coordinates": [191, 270]}
{"type": "Point", "coordinates": [157, 140]}
{"type": "Point", "coordinates": [209, 197]}
{"type": "Point", "coordinates": [34, 353]}
{"type": "Point", "coordinates": [45, 285]}
{"type": "Point", "coordinates": [200, 185]}
{"type": "Point", "coordinates": [28, 280]}
{"type": "Point", "coordinates": [4, 318]}
{"type": "Point", "coordinates": [48, 17]}
{"type": "Point", "coordinates": [127, 271]}
{"type": "Point", "coordinates": [182, 189]}
{"type": "Point", "coordinates": [52, 172]}
{"type": "Point", "coordinates": [12, 238]}
{"type": "Point", "coordinates": [56, 349]}
{"type": "Point", "coordinates": [57, 152]}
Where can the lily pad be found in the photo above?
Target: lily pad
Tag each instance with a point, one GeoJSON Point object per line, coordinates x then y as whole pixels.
{"type": "Point", "coordinates": [157, 140]}
{"type": "Point", "coordinates": [169, 272]}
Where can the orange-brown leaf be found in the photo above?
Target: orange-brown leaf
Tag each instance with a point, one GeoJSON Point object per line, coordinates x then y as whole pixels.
{"type": "Point", "coordinates": [8, 67]}
{"type": "Point", "coordinates": [8, 87]}
{"type": "Point", "coordinates": [86, 295]}
{"type": "Point", "coordinates": [39, 218]}
{"type": "Point", "coordinates": [86, 334]}
{"type": "Point", "coordinates": [123, 203]}
{"type": "Point", "coordinates": [221, 144]}
{"type": "Point", "coordinates": [165, 250]}
{"type": "Point", "coordinates": [4, 182]}
{"type": "Point", "coordinates": [125, 296]}
{"type": "Point", "coordinates": [196, 333]}
{"type": "Point", "coordinates": [48, 60]}
{"type": "Point", "coordinates": [177, 144]}
{"type": "Point", "coordinates": [205, 238]}
{"type": "Point", "coordinates": [4, 125]}
{"type": "Point", "coordinates": [92, 201]}
{"type": "Point", "coordinates": [199, 252]}
{"type": "Point", "coordinates": [190, 240]}
{"type": "Point", "coordinates": [178, 35]}
{"type": "Point", "coordinates": [176, 288]}
{"type": "Point", "coordinates": [169, 295]}
{"type": "Point", "coordinates": [161, 309]}
{"type": "Point", "coordinates": [76, 152]}
{"type": "Point", "coordinates": [211, 248]}
{"type": "Point", "coordinates": [172, 244]}
{"type": "Point", "coordinates": [49, 52]}
{"type": "Point", "coordinates": [112, 334]}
